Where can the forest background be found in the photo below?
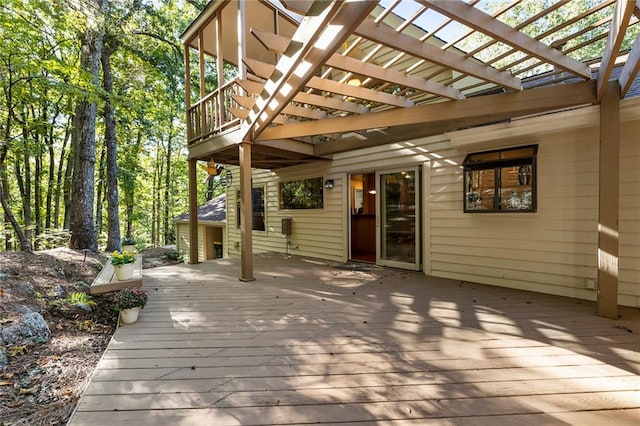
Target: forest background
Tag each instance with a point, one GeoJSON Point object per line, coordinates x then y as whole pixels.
{"type": "Point", "coordinates": [92, 134]}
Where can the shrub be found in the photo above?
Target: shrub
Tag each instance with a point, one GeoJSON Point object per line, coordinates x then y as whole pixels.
{"type": "Point", "coordinates": [128, 298]}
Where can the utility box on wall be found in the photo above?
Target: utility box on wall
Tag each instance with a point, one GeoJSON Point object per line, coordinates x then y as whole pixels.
{"type": "Point", "coordinates": [286, 226]}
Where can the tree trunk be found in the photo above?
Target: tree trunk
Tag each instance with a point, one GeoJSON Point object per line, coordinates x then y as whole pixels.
{"type": "Point", "coordinates": [59, 179]}
{"type": "Point", "coordinates": [111, 144]}
{"type": "Point", "coordinates": [100, 186]}
{"type": "Point", "coordinates": [37, 189]}
{"type": "Point", "coordinates": [8, 213]}
{"type": "Point", "coordinates": [50, 139]}
{"type": "Point", "coordinates": [24, 187]}
{"type": "Point", "coordinates": [167, 185]}
{"type": "Point", "coordinates": [129, 185]}
{"type": "Point", "coordinates": [83, 235]}
{"type": "Point", "coordinates": [50, 187]}
{"type": "Point", "coordinates": [68, 184]}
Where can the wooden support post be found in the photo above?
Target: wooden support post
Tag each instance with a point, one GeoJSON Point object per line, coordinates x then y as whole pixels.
{"type": "Point", "coordinates": [187, 90]}
{"type": "Point", "coordinates": [246, 208]}
{"type": "Point", "coordinates": [220, 69]}
{"type": "Point", "coordinates": [193, 213]}
{"type": "Point", "coordinates": [203, 91]}
{"type": "Point", "coordinates": [242, 38]}
{"type": "Point", "coordinates": [608, 202]}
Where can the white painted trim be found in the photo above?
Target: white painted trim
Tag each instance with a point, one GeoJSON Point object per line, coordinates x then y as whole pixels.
{"type": "Point", "coordinates": [426, 217]}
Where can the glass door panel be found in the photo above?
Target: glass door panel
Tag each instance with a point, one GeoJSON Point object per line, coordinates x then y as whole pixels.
{"type": "Point", "coordinates": [399, 219]}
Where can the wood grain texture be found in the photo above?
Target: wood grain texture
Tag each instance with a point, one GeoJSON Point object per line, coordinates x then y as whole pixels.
{"type": "Point", "coordinates": [310, 341]}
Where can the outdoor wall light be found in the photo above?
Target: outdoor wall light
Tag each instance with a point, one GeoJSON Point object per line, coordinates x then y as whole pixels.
{"type": "Point", "coordinates": [328, 183]}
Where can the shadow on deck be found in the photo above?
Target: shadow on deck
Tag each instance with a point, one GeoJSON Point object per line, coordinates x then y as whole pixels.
{"type": "Point", "coordinates": [311, 342]}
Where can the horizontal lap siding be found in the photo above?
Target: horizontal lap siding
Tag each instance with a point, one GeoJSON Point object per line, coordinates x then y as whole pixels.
{"type": "Point", "coordinates": [183, 240]}
{"type": "Point", "coordinates": [552, 250]}
{"type": "Point", "coordinates": [315, 233]}
{"type": "Point", "coordinates": [629, 224]}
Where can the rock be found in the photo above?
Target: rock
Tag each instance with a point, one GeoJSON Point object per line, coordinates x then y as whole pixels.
{"type": "Point", "coordinates": [82, 284]}
{"type": "Point", "coordinates": [4, 361]}
{"type": "Point", "coordinates": [10, 335]}
{"type": "Point", "coordinates": [84, 307]}
{"type": "Point", "coordinates": [60, 271]}
{"type": "Point", "coordinates": [3, 277]}
{"type": "Point", "coordinates": [59, 292]}
{"type": "Point", "coordinates": [34, 327]}
{"type": "Point", "coordinates": [31, 326]}
{"type": "Point", "coordinates": [23, 309]}
{"type": "Point", "coordinates": [25, 289]}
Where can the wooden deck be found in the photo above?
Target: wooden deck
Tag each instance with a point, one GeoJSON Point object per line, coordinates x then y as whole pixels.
{"type": "Point", "coordinates": [308, 342]}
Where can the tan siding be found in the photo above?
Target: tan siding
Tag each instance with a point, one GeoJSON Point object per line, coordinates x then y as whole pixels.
{"type": "Point", "coordinates": [629, 249]}
{"type": "Point", "coordinates": [553, 250]}
{"type": "Point", "coordinates": [315, 233]}
{"type": "Point", "coordinates": [182, 237]}
{"type": "Point", "coordinates": [183, 243]}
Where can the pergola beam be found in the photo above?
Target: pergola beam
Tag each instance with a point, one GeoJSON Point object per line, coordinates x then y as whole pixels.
{"type": "Point", "coordinates": [277, 43]}
{"type": "Point", "coordinates": [264, 70]}
{"type": "Point", "coordinates": [317, 38]}
{"type": "Point", "coordinates": [254, 88]}
{"type": "Point", "coordinates": [487, 24]}
{"type": "Point", "coordinates": [383, 34]}
{"type": "Point", "coordinates": [630, 68]}
{"type": "Point", "coordinates": [491, 106]}
{"type": "Point", "coordinates": [621, 16]}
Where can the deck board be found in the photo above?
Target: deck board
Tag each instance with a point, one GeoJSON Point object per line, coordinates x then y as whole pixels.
{"type": "Point", "coordinates": [310, 343]}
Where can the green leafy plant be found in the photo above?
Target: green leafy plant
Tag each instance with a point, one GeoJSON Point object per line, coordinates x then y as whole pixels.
{"type": "Point", "coordinates": [175, 256]}
{"type": "Point", "coordinates": [129, 242]}
{"type": "Point", "coordinates": [80, 298]}
{"type": "Point", "coordinates": [122, 258]}
{"type": "Point", "coordinates": [128, 298]}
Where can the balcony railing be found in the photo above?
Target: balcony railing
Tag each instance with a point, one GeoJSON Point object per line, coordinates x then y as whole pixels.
{"type": "Point", "coordinates": [210, 114]}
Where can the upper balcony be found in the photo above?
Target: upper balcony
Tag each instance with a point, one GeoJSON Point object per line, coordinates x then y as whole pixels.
{"type": "Point", "coordinates": [303, 80]}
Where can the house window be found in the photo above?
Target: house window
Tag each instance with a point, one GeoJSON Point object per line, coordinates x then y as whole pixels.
{"type": "Point", "coordinates": [257, 199]}
{"type": "Point", "coordinates": [302, 194]}
{"type": "Point", "coordinates": [500, 181]}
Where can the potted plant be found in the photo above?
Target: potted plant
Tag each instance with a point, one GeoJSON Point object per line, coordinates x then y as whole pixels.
{"type": "Point", "coordinates": [123, 264]}
{"type": "Point", "coordinates": [128, 244]}
{"type": "Point", "coordinates": [128, 302]}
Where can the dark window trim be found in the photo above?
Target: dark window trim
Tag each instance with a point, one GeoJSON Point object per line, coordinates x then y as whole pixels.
{"type": "Point", "coordinates": [264, 209]}
{"type": "Point", "coordinates": [497, 165]}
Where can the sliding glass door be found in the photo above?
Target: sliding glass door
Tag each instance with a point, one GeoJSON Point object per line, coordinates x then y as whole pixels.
{"type": "Point", "coordinates": [398, 221]}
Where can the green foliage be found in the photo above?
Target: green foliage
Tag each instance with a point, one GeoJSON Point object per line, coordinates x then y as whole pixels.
{"type": "Point", "coordinates": [175, 256]}
{"type": "Point", "coordinates": [302, 194]}
{"type": "Point", "coordinates": [80, 298]}
{"type": "Point", "coordinates": [40, 83]}
{"type": "Point", "coordinates": [129, 242]}
{"type": "Point", "coordinates": [16, 350]}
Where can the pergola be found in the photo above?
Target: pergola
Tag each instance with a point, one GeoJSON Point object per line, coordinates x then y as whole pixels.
{"type": "Point", "coordinates": [316, 78]}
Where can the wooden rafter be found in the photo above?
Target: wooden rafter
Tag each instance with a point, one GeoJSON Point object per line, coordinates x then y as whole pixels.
{"type": "Point", "coordinates": [480, 21]}
{"type": "Point", "coordinates": [316, 39]}
{"type": "Point", "coordinates": [619, 23]}
{"type": "Point", "coordinates": [254, 88]}
{"type": "Point", "coordinates": [383, 34]}
{"type": "Point", "coordinates": [264, 70]}
{"type": "Point", "coordinates": [276, 43]}
{"type": "Point", "coordinates": [630, 68]}
{"type": "Point", "coordinates": [490, 106]}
